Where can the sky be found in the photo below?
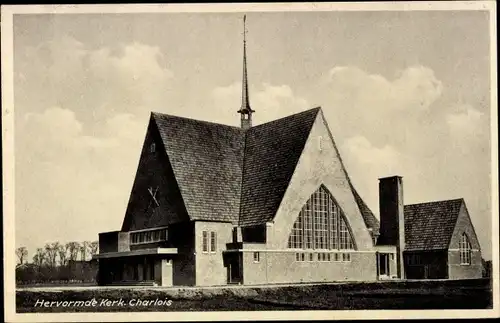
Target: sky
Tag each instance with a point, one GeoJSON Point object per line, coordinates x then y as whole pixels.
{"type": "Point", "coordinates": [404, 93]}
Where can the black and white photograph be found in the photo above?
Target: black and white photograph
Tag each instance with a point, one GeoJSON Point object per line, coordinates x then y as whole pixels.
{"type": "Point", "coordinates": [250, 161]}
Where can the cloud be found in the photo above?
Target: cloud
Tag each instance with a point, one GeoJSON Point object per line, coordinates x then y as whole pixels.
{"type": "Point", "coordinates": [387, 111]}
{"type": "Point", "coordinates": [366, 163]}
{"type": "Point", "coordinates": [465, 121]}
{"type": "Point", "coordinates": [270, 102]}
{"type": "Point", "coordinates": [415, 88]}
{"type": "Point", "coordinates": [71, 179]}
{"type": "Point", "coordinates": [385, 160]}
{"type": "Point", "coordinates": [95, 83]}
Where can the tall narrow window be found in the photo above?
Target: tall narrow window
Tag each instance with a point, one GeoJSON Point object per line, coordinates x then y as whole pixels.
{"type": "Point", "coordinates": [320, 143]}
{"type": "Point", "coordinates": [256, 257]}
{"type": "Point", "coordinates": [308, 226]}
{"type": "Point", "coordinates": [205, 241]}
{"type": "Point", "coordinates": [321, 225]}
{"type": "Point", "coordinates": [213, 241]}
{"type": "Point", "coordinates": [345, 236]}
{"type": "Point", "coordinates": [465, 250]}
{"type": "Point", "coordinates": [152, 148]}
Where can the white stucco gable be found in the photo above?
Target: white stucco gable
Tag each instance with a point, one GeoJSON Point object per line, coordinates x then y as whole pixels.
{"type": "Point", "coordinates": [319, 164]}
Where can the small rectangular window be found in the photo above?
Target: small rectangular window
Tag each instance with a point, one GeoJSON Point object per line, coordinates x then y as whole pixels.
{"type": "Point", "coordinates": [205, 241]}
{"type": "Point", "coordinates": [320, 143]}
{"type": "Point", "coordinates": [310, 257]}
{"type": "Point", "coordinates": [256, 257]}
{"type": "Point", "coordinates": [346, 257]}
{"type": "Point", "coordinates": [297, 257]}
{"type": "Point", "coordinates": [303, 256]}
{"type": "Point", "coordinates": [152, 148]}
{"type": "Point", "coordinates": [328, 257]}
{"type": "Point", "coordinates": [213, 241]}
{"type": "Point", "coordinates": [337, 257]}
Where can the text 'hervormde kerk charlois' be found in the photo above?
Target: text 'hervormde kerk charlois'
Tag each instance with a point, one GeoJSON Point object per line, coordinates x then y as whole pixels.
{"type": "Point", "coordinates": [104, 302]}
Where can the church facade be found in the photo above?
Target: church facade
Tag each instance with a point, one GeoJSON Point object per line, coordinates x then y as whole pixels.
{"type": "Point", "coordinates": [213, 204]}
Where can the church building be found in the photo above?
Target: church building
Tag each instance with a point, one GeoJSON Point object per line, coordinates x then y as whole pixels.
{"type": "Point", "coordinates": [213, 204]}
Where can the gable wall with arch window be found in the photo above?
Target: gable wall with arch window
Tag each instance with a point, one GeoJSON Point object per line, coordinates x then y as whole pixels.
{"type": "Point", "coordinates": [319, 164]}
{"type": "Point", "coordinates": [457, 269]}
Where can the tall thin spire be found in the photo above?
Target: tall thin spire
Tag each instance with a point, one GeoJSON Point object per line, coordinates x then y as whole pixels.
{"type": "Point", "coordinates": [245, 110]}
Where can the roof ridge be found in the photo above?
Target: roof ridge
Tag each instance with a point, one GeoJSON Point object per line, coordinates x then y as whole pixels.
{"type": "Point", "coordinates": [286, 117]}
{"type": "Point", "coordinates": [436, 201]}
{"type": "Point", "coordinates": [160, 114]}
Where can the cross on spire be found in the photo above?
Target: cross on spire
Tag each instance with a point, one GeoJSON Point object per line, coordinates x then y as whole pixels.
{"type": "Point", "coordinates": [245, 110]}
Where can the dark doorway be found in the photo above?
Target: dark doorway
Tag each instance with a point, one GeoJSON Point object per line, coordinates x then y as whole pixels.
{"type": "Point", "coordinates": [384, 264]}
{"type": "Point", "coordinates": [234, 268]}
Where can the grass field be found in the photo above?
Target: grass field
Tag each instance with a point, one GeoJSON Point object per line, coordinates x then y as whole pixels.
{"type": "Point", "coordinates": [466, 294]}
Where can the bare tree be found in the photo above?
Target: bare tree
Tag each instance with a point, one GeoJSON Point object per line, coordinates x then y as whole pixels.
{"type": "Point", "coordinates": [63, 253]}
{"type": "Point", "coordinates": [93, 248]}
{"type": "Point", "coordinates": [74, 249]}
{"type": "Point", "coordinates": [22, 255]}
{"type": "Point", "coordinates": [84, 247]}
{"type": "Point", "coordinates": [51, 251]}
{"type": "Point", "coordinates": [39, 257]}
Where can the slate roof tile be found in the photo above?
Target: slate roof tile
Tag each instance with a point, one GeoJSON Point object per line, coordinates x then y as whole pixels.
{"type": "Point", "coordinates": [429, 226]}
{"type": "Point", "coordinates": [370, 220]}
{"type": "Point", "coordinates": [272, 151]}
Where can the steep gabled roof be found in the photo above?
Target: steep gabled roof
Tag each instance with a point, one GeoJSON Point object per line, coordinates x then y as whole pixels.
{"type": "Point", "coordinates": [225, 173]}
{"type": "Point", "coordinates": [207, 162]}
{"type": "Point", "coordinates": [371, 221]}
{"type": "Point", "coordinates": [272, 151]}
{"type": "Point", "coordinates": [429, 226]}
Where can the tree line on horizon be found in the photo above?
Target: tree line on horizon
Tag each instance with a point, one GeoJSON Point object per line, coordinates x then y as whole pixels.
{"type": "Point", "coordinates": [57, 263]}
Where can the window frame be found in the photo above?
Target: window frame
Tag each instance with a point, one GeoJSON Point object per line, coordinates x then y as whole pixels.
{"type": "Point", "coordinates": [256, 257]}
{"type": "Point", "coordinates": [465, 250]}
{"type": "Point", "coordinates": [204, 242]}
{"type": "Point", "coordinates": [153, 235]}
{"type": "Point", "coordinates": [213, 242]}
{"type": "Point", "coordinates": [321, 225]}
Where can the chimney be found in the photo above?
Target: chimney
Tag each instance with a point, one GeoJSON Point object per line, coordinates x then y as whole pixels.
{"type": "Point", "coordinates": [392, 225]}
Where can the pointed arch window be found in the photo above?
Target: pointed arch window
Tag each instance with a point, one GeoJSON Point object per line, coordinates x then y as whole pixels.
{"type": "Point", "coordinates": [465, 250]}
{"type": "Point", "coordinates": [321, 225]}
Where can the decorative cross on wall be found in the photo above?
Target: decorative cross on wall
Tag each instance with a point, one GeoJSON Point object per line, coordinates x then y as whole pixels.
{"type": "Point", "coordinates": [153, 195]}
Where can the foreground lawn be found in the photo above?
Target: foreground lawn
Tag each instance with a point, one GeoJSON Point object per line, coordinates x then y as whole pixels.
{"type": "Point", "coordinates": [470, 294]}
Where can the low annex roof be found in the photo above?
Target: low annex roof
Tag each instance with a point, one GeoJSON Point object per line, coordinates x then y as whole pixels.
{"type": "Point", "coordinates": [429, 226]}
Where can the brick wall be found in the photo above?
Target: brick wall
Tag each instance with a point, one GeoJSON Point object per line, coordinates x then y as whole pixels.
{"type": "Point", "coordinates": [108, 241]}
{"type": "Point", "coordinates": [210, 268]}
{"type": "Point", "coordinates": [182, 237]}
{"type": "Point", "coordinates": [123, 241]}
{"type": "Point", "coordinates": [458, 271]}
{"type": "Point", "coordinates": [281, 267]}
{"type": "Point", "coordinates": [455, 269]}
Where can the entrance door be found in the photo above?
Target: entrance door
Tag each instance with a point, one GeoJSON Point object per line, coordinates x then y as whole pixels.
{"type": "Point", "coordinates": [149, 269]}
{"type": "Point", "coordinates": [384, 264]}
{"type": "Point", "coordinates": [234, 269]}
